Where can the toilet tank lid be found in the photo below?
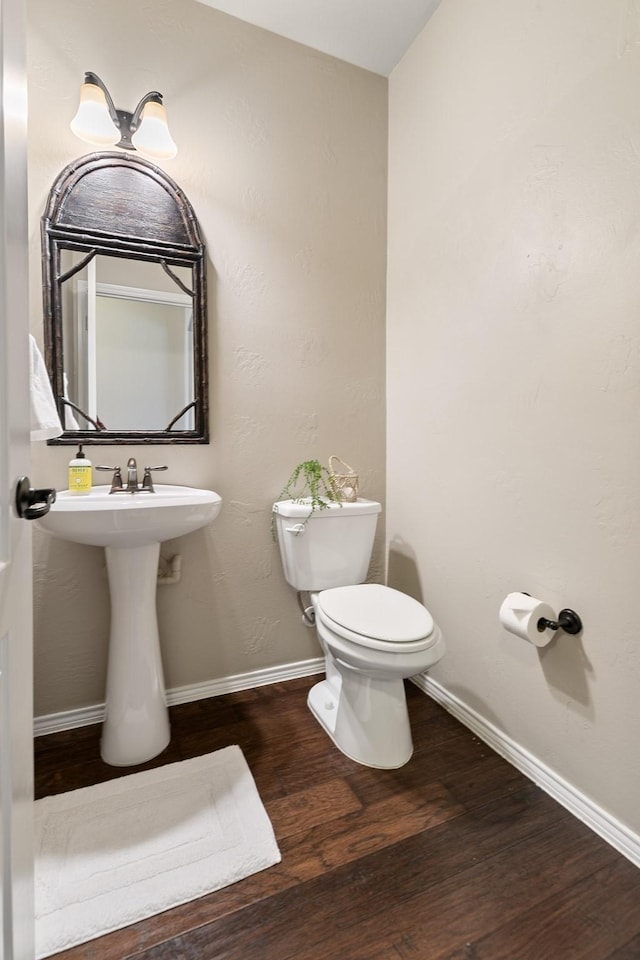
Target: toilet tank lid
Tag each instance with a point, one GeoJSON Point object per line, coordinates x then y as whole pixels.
{"type": "Point", "coordinates": [301, 508]}
{"type": "Point", "coordinates": [376, 611]}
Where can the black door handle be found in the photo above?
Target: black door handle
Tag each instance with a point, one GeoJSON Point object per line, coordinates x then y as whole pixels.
{"type": "Point", "coordinates": [31, 503]}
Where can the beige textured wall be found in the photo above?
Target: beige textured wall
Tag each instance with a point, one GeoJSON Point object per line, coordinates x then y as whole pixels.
{"type": "Point", "coordinates": [283, 156]}
{"type": "Point", "coordinates": [514, 366]}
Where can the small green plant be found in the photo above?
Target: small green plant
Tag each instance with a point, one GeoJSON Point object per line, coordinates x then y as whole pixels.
{"type": "Point", "coordinates": [310, 483]}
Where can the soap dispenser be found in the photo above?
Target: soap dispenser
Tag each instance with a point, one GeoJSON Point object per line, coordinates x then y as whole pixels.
{"type": "Point", "coordinates": [80, 474]}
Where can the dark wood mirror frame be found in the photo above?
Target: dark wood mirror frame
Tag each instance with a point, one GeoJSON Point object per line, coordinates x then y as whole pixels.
{"type": "Point", "coordinates": [120, 205]}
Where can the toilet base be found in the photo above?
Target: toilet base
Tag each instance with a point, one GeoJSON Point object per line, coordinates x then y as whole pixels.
{"type": "Point", "coordinates": [366, 717]}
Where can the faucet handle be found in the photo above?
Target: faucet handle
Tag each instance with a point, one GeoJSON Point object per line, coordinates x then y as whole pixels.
{"type": "Point", "coordinates": [147, 481]}
{"type": "Point", "coordinates": [116, 480]}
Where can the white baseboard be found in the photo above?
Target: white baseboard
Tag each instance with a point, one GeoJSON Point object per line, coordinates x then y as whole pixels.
{"type": "Point", "coordinates": [613, 831]}
{"type": "Point", "coordinates": [84, 716]}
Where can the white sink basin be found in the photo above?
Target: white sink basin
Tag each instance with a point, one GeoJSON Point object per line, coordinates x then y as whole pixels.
{"type": "Point", "coordinates": [103, 519]}
{"type": "Point", "coordinates": [131, 527]}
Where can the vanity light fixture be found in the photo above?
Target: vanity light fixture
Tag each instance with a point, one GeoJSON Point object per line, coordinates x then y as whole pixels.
{"type": "Point", "coordinates": [99, 122]}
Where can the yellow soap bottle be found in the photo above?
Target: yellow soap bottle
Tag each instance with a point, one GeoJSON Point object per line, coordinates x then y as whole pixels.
{"type": "Point", "coordinates": [80, 474]}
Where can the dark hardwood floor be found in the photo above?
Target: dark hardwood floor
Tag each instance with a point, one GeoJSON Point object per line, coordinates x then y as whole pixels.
{"type": "Point", "coordinates": [456, 856]}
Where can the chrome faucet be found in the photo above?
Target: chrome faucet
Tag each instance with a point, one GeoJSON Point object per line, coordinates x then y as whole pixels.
{"type": "Point", "coordinates": [132, 478]}
{"type": "Point", "coordinates": [132, 475]}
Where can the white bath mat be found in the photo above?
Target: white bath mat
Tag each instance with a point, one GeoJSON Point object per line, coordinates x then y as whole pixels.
{"type": "Point", "coordinates": [112, 854]}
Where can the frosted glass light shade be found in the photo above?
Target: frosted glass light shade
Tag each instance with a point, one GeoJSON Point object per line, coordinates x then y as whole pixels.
{"type": "Point", "coordinates": [152, 136]}
{"type": "Point", "coordinates": [92, 123]}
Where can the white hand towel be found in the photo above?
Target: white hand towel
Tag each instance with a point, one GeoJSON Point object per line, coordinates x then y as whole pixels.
{"type": "Point", "coordinates": [45, 422]}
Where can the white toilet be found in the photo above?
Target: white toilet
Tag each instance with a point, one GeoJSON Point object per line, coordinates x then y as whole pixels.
{"type": "Point", "coordinates": [372, 636]}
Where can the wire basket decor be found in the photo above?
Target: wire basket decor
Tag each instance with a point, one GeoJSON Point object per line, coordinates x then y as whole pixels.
{"type": "Point", "coordinates": [343, 479]}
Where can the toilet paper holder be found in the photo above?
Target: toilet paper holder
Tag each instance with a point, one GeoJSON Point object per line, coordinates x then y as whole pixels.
{"type": "Point", "coordinates": [568, 620]}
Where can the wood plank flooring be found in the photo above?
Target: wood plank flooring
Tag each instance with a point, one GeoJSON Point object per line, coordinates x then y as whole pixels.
{"type": "Point", "coordinates": [456, 856]}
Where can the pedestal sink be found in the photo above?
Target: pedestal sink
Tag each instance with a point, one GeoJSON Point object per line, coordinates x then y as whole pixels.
{"type": "Point", "coordinates": [131, 526]}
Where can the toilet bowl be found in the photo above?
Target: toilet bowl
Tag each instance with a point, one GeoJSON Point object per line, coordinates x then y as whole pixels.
{"type": "Point", "coordinates": [373, 637]}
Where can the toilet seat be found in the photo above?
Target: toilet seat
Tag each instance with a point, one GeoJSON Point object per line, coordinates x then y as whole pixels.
{"type": "Point", "coordinates": [377, 617]}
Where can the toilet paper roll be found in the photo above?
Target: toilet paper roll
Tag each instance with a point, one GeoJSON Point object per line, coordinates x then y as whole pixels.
{"type": "Point", "coordinates": [519, 614]}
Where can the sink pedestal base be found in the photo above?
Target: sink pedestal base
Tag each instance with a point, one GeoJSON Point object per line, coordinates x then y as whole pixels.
{"type": "Point", "coordinates": [136, 726]}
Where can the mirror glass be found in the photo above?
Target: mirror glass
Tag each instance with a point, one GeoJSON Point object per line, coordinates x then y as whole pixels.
{"type": "Point", "coordinates": [128, 334]}
{"type": "Point", "coordinates": [125, 321]}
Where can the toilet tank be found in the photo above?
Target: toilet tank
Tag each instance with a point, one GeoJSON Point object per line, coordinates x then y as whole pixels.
{"type": "Point", "coordinates": [330, 547]}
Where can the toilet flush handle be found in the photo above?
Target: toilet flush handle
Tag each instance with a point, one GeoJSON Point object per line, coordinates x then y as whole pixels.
{"type": "Point", "coordinates": [296, 529]}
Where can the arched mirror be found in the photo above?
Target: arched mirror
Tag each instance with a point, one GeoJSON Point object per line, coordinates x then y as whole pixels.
{"type": "Point", "coordinates": [125, 312]}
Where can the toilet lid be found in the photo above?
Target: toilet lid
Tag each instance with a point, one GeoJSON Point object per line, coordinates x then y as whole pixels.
{"type": "Point", "coordinates": [376, 611]}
